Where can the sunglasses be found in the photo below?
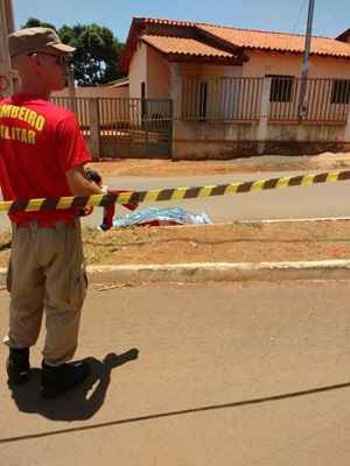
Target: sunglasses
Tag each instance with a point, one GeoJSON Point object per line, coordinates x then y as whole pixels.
{"type": "Point", "coordinates": [61, 60]}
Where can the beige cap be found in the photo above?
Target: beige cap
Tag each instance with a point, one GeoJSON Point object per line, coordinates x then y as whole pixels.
{"type": "Point", "coordinates": [35, 39]}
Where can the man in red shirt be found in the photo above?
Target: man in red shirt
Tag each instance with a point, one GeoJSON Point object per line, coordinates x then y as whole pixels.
{"type": "Point", "coordinates": [42, 156]}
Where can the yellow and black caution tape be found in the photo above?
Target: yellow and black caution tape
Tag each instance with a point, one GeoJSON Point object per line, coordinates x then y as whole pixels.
{"type": "Point", "coordinates": [171, 194]}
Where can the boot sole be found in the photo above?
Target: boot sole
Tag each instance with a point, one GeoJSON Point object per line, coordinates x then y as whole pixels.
{"type": "Point", "coordinates": [18, 379]}
{"type": "Point", "coordinates": [50, 392]}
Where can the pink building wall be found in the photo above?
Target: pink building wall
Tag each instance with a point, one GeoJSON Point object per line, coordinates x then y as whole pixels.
{"type": "Point", "coordinates": [265, 63]}
{"type": "Point", "coordinates": [158, 75]}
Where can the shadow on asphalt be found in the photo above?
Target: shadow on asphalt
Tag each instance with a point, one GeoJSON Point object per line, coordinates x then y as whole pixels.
{"type": "Point", "coordinates": [80, 403]}
{"type": "Point", "coordinates": [151, 417]}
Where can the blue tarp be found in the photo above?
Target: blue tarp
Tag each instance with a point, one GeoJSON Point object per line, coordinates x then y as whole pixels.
{"type": "Point", "coordinates": [165, 216]}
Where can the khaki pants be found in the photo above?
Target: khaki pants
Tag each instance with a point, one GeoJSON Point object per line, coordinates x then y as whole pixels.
{"type": "Point", "coordinates": [46, 272]}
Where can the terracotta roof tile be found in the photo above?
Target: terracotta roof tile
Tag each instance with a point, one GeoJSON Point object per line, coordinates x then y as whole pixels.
{"type": "Point", "coordinates": [279, 41]}
{"type": "Point", "coordinates": [183, 39]}
{"type": "Point", "coordinates": [168, 22]}
{"type": "Point", "coordinates": [184, 46]}
{"type": "Point", "coordinates": [264, 40]}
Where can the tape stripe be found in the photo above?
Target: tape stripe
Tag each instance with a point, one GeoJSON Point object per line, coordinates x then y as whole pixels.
{"type": "Point", "coordinates": [49, 204]}
{"type": "Point", "coordinates": [295, 181]}
{"type": "Point", "coordinates": [219, 190]}
{"type": "Point", "coordinates": [64, 203]}
{"type": "Point", "coordinates": [80, 202]}
{"type": "Point", "coordinates": [18, 205]}
{"type": "Point", "coordinates": [180, 192]}
{"type": "Point", "coordinates": [138, 197]}
{"type": "Point", "coordinates": [206, 191]}
{"type": "Point", "coordinates": [258, 185]}
{"type": "Point", "coordinates": [166, 195]}
{"type": "Point", "coordinates": [321, 178]}
{"type": "Point", "coordinates": [244, 187]}
{"type": "Point", "coordinates": [271, 184]}
{"type": "Point", "coordinates": [232, 188]}
{"type": "Point", "coordinates": [344, 176]}
{"type": "Point", "coordinates": [34, 205]}
{"type": "Point", "coordinates": [192, 193]}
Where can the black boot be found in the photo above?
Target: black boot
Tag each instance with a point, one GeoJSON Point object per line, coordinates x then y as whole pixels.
{"type": "Point", "coordinates": [56, 380]}
{"type": "Point", "coordinates": [18, 367]}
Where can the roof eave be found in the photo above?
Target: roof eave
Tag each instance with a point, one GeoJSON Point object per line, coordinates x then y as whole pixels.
{"type": "Point", "coordinates": [136, 28]}
{"type": "Point", "coordinates": [297, 52]}
{"type": "Point", "coordinates": [344, 36]}
{"type": "Point", "coordinates": [192, 57]}
{"type": "Point", "coordinates": [203, 59]}
{"type": "Point", "coordinates": [222, 43]}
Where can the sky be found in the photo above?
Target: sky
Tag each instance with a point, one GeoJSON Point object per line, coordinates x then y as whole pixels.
{"type": "Point", "coordinates": [331, 17]}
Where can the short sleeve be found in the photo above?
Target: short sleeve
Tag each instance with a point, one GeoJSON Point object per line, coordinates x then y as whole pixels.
{"type": "Point", "coordinates": [72, 148]}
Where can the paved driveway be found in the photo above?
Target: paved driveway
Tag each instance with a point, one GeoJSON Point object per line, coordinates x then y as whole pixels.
{"type": "Point", "coordinates": [208, 375]}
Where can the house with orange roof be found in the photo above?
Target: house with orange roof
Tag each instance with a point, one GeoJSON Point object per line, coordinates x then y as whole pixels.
{"type": "Point", "coordinates": [238, 90]}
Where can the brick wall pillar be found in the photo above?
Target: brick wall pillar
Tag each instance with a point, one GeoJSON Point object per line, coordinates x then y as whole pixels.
{"type": "Point", "coordinates": [6, 27]}
{"type": "Point", "coordinates": [94, 140]}
{"type": "Point", "coordinates": [176, 97]}
{"type": "Point", "coordinates": [262, 130]}
{"type": "Point", "coordinates": [347, 130]}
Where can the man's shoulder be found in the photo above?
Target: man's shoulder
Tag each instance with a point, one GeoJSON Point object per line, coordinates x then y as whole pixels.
{"type": "Point", "coordinates": [56, 112]}
{"type": "Point", "coordinates": [4, 100]}
{"type": "Point", "coordinates": [51, 111]}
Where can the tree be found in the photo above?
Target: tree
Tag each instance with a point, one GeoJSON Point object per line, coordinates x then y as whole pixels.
{"type": "Point", "coordinates": [96, 60]}
{"type": "Point", "coordinates": [35, 22]}
{"type": "Point", "coordinates": [97, 55]}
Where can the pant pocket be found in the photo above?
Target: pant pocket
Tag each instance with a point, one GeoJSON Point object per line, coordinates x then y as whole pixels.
{"type": "Point", "coordinates": [79, 284]}
{"type": "Point", "coordinates": [9, 278]}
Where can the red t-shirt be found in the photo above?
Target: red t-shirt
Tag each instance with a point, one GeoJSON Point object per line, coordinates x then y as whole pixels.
{"type": "Point", "coordinates": [39, 143]}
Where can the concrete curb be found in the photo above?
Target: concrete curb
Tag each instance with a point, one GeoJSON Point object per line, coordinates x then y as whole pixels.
{"type": "Point", "coordinates": [204, 272]}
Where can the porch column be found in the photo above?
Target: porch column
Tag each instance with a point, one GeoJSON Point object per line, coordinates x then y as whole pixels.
{"type": "Point", "coordinates": [94, 139]}
{"type": "Point", "coordinates": [347, 130]}
{"type": "Point", "coordinates": [262, 130]}
{"type": "Point", "coordinates": [176, 97]}
{"type": "Point", "coordinates": [6, 27]}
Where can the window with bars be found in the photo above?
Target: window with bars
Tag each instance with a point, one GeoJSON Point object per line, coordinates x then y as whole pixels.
{"type": "Point", "coordinates": [341, 91]}
{"type": "Point", "coordinates": [281, 88]}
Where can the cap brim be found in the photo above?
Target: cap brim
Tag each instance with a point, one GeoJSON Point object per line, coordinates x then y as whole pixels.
{"type": "Point", "coordinates": [63, 48]}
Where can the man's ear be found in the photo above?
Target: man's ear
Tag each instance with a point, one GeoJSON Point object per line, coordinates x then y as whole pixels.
{"type": "Point", "coordinates": [36, 60]}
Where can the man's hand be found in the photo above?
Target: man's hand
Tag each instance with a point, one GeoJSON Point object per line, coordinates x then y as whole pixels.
{"type": "Point", "coordinates": [79, 185]}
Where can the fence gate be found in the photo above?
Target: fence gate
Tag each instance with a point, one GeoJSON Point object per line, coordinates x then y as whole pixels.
{"type": "Point", "coordinates": [135, 127]}
{"type": "Point", "coordinates": [126, 127]}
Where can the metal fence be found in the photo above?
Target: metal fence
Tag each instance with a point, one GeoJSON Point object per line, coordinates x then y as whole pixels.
{"type": "Point", "coordinates": [135, 127]}
{"type": "Point", "coordinates": [125, 126]}
{"type": "Point", "coordinates": [78, 105]}
{"type": "Point", "coordinates": [239, 99]}
{"type": "Point", "coordinates": [119, 113]}
{"type": "Point", "coordinates": [326, 100]}
{"type": "Point", "coordinates": [129, 113]}
{"type": "Point", "coordinates": [221, 99]}
{"type": "Point", "coordinates": [144, 127]}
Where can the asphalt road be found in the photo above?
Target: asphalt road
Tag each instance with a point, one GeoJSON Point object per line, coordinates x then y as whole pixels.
{"type": "Point", "coordinates": [323, 200]}
{"type": "Point", "coordinates": [254, 374]}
